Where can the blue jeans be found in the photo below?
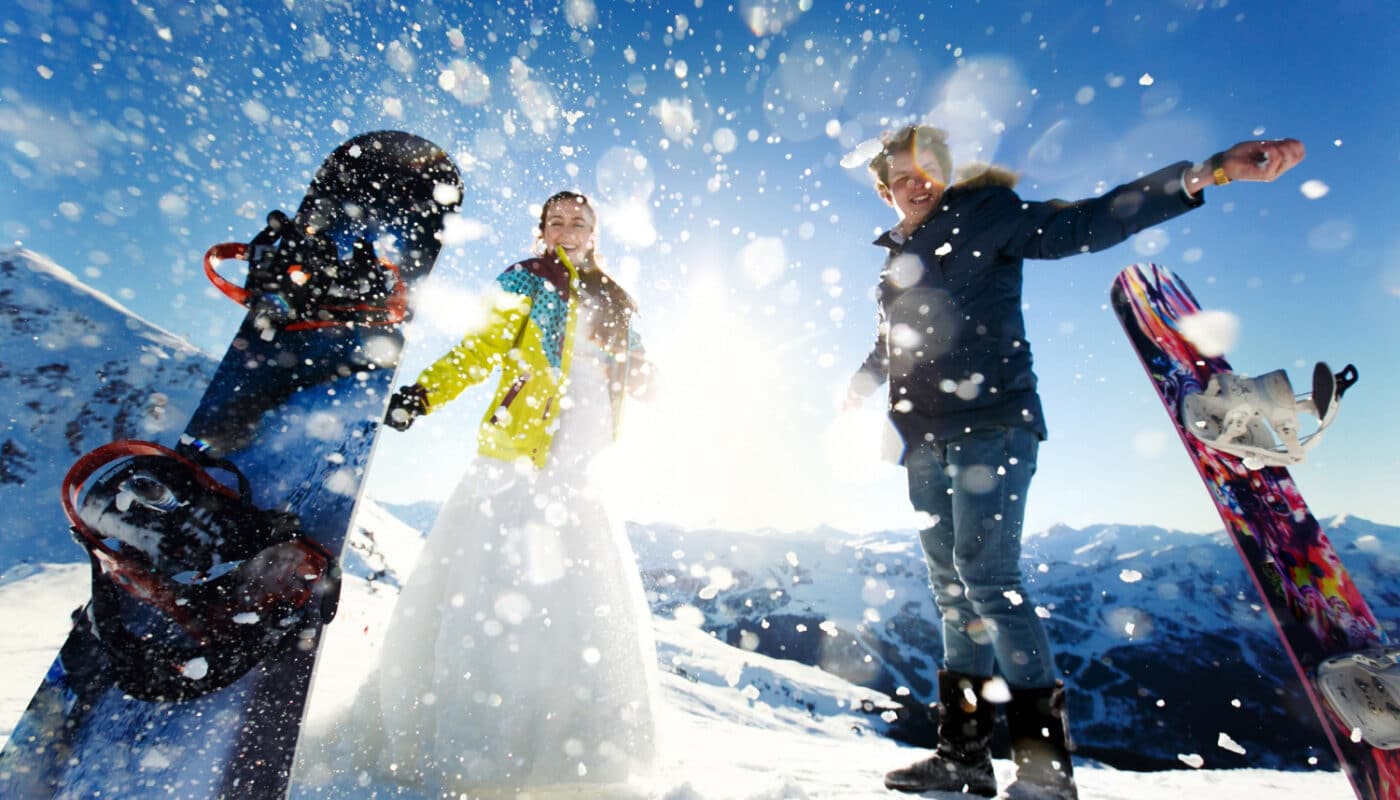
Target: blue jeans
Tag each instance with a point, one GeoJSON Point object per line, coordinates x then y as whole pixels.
{"type": "Point", "coordinates": [973, 488]}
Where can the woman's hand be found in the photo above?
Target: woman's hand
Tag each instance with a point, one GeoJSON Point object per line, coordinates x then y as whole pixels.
{"type": "Point", "coordinates": [407, 404]}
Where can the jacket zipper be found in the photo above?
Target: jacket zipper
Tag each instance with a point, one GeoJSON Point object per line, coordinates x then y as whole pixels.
{"type": "Point", "coordinates": [509, 398]}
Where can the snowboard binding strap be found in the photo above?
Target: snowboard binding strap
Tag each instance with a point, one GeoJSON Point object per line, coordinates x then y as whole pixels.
{"type": "Point", "coordinates": [301, 291]}
{"type": "Point", "coordinates": [1256, 419]}
{"type": "Point", "coordinates": [1363, 690]}
{"type": "Point", "coordinates": [192, 584]}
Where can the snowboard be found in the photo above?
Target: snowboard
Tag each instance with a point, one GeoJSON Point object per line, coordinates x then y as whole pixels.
{"type": "Point", "coordinates": [1315, 606]}
{"type": "Point", "coordinates": [261, 488]}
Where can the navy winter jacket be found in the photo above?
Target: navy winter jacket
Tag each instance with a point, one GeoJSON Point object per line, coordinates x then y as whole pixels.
{"type": "Point", "coordinates": [952, 340]}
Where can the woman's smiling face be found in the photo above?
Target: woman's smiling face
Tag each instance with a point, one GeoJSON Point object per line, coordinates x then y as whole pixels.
{"type": "Point", "coordinates": [569, 224]}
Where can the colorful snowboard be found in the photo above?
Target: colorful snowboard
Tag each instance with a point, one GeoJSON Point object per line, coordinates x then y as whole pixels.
{"type": "Point", "coordinates": [295, 407]}
{"type": "Point", "coordinates": [1315, 606]}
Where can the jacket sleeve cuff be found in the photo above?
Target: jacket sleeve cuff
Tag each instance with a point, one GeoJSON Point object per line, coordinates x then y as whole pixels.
{"type": "Point", "coordinates": [1154, 198]}
{"type": "Point", "coordinates": [1172, 181]}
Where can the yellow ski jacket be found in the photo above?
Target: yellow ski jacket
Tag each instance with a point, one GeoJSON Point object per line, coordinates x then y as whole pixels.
{"type": "Point", "coordinates": [529, 334]}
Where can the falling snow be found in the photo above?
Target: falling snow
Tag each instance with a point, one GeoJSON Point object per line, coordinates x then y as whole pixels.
{"type": "Point", "coordinates": [725, 147]}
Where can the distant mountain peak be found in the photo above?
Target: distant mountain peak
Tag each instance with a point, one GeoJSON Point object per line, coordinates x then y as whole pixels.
{"type": "Point", "coordinates": [21, 257]}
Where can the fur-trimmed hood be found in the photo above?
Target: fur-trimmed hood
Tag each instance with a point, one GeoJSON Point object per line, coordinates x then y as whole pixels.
{"type": "Point", "coordinates": [979, 175]}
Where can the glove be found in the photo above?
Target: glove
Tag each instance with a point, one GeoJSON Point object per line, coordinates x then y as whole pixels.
{"type": "Point", "coordinates": [407, 404]}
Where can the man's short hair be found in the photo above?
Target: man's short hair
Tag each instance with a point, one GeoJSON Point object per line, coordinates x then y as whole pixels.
{"type": "Point", "coordinates": [910, 139]}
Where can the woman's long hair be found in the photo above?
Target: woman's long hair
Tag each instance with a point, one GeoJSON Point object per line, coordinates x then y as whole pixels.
{"type": "Point", "coordinates": [610, 301]}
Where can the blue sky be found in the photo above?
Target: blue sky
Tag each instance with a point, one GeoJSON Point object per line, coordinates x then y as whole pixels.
{"type": "Point", "coordinates": [712, 137]}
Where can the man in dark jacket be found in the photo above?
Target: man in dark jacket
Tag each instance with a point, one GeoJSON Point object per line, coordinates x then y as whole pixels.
{"type": "Point", "coordinates": [962, 395]}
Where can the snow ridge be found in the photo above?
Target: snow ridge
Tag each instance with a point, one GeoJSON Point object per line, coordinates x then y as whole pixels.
{"type": "Point", "coordinates": [79, 370]}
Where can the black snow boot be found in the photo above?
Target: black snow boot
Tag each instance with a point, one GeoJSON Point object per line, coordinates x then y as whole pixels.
{"type": "Point", "coordinates": [962, 762]}
{"type": "Point", "coordinates": [1040, 745]}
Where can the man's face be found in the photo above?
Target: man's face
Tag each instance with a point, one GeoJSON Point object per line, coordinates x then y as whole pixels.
{"type": "Point", "coordinates": [915, 187]}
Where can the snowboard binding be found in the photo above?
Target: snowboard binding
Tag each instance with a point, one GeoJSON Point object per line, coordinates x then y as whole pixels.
{"type": "Point", "coordinates": [192, 584]}
{"type": "Point", "coordinates": [298, 281]}
{"type": "Point", "coordinates": [1363, 690]}
{"type": "Point", "coordinates": [1256, 419]}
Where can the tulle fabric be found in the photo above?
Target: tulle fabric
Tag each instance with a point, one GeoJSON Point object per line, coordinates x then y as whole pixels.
{"type": "Point", "coordinates": [520, 653]}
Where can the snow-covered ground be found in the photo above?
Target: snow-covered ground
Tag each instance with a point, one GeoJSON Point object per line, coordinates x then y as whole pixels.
{"type": "Point", "coordinates": [723, 736]}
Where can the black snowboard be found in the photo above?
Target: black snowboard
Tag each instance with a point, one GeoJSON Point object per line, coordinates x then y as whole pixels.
{"type": "Point", "coordinates": [141, 701]}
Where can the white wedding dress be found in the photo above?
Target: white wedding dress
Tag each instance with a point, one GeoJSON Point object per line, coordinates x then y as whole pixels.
{"type": "Point", "coordinates": [520, 656]}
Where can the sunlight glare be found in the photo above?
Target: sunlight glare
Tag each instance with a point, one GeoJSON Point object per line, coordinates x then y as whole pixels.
{"type": "Point", "coordinates": [763, 260]}
{"type": "Point", "coordinates": [852, 444]}
{"type": "Point", "coordinates": [724, 441]}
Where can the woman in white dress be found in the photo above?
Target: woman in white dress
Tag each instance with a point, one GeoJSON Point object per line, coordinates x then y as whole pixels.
{"type": "Point", "coordinates": [520, 656]}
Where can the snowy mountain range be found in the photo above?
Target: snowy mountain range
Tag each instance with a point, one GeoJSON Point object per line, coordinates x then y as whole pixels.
{"type": "Point", "coordinates": [1165, 647]}
{"type": "Point", "coordinates": [78, 370]}
{"type": "Point", "coordinates": [1159, 634]}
